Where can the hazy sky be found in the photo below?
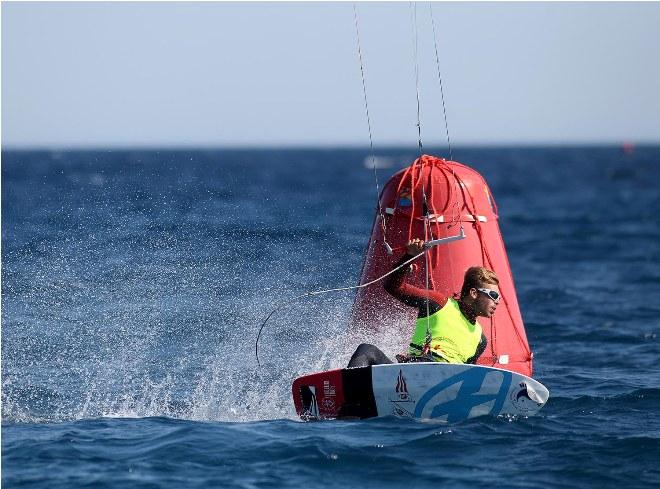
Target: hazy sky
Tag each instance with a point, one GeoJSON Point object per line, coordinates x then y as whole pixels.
{"type": "Point", "coordinates": [256, 74]}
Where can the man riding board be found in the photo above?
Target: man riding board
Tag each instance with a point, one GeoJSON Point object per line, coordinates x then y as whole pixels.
{"type": "Point", "coordinates": [446, 329]}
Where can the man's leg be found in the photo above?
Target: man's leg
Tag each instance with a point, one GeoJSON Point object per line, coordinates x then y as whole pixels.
{"type": "Point", "coordinates": [367, 355]}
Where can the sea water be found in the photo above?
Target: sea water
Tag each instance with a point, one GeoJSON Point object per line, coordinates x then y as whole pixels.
{"type": "Point", "coordinates": [134, 282]}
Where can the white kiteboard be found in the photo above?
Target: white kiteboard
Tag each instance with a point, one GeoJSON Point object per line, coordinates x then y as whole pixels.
{"type": "Point", "coordinates": [448, 392]}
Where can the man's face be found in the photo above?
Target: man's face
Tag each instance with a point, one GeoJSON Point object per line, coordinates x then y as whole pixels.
{"type": "Point", "coordinates": [485, 305]}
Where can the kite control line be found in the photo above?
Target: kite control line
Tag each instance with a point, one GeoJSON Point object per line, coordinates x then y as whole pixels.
{"type": "Point", "coordinates": [427, 246]}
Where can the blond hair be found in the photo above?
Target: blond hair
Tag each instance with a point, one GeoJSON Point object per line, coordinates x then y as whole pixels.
{"type": "Point", "coordinates": [476, 277]}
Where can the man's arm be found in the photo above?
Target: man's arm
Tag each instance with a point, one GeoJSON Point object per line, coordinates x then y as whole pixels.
{"type": "Point", "coordinates": [408, 294]}
{"type": "Point", "coordinates": [480, 349]}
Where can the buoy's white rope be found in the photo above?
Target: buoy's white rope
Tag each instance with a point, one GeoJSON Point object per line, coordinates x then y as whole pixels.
{"type": "Point", "coordinates": [325, 291]}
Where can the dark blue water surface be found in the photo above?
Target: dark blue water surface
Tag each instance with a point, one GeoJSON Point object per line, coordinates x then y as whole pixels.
{"type": "Point", "coordinates": [133, 283]}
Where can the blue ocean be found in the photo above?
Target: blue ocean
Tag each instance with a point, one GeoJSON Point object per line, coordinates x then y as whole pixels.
{"type": "Point", "coordinates": [134, 283]}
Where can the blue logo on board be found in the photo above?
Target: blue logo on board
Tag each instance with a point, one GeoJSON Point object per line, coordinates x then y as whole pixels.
{"type": "Point", "coordinates": [467, 398]}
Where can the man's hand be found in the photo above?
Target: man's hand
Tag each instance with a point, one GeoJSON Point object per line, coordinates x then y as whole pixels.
{"type": "Point", "coordinates": [415, 247]}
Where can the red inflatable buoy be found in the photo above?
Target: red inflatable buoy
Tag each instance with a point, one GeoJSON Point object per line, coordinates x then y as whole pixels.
{"type": "Point", "coordinates": [457, 197]}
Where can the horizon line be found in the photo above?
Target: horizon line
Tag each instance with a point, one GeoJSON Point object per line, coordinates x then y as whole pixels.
{"type": "Point", "coordinates": [324, 147]}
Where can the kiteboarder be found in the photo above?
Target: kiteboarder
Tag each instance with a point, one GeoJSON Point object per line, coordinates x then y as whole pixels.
{"type": "Point", "coordinates": [446, 329]}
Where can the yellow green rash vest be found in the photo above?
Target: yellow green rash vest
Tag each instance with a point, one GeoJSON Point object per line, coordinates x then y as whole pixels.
{"type": "Point", "coordinates": [454, 339]}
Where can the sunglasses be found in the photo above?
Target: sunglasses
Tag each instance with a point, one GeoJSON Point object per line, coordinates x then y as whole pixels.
{"type": "Point", "coordinates": [493, 294]}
